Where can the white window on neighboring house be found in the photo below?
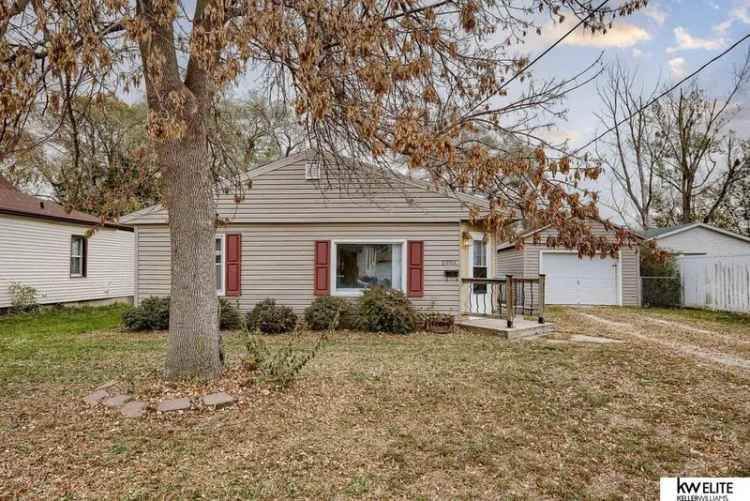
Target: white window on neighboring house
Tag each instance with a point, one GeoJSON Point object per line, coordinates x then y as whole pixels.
{"type": "Point", "coordinates": [360, 265]}
{"type": "Point", "coordinates": [219, 263]}
{"type": "Point", "coordinates": [312, 170]}
{"type": "Point", "coordinates": [77, 256]}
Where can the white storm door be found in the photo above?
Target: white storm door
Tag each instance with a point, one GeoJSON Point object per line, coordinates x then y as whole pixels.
{"type": "Point", "coordinates": [480, 297]}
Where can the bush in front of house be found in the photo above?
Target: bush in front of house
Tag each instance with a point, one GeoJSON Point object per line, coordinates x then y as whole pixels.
{"type": "Point", "coordinates": [151, 315]}
{"type": "Point", "coordinates": [385, 310]}
{"type": "Point", "coordinates": [271, 318]}
{"type": "Point", "coordinates": [23, 298]}
{"type": "Point", "coordinates": [329, 312]}
{"type": "Point", "coordinates": [230, 316]}
{"type": "Point", "coordinates": [660, 278]}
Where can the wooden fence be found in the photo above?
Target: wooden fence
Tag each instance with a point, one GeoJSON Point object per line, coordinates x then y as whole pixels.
{"type": "Point", "coordinates": [716, 282]}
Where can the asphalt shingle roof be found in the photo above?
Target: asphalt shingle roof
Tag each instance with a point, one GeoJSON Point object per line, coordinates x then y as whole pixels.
{"type": "Point", "coordinates": [655, 232]}
{"type": "Point", "coordinates": [13, 201]}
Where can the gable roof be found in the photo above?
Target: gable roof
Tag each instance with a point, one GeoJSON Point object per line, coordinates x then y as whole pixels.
{"type": "Point", "coordinates": [16, 203]}
{"type": "Point", "coordinates": [310, 155]}
{"type": "Point", "coordinates": [507, 245]}
{"type": "Point", "coordinates": [656, 232]}
{"type": "Point", "coordinates": [659, 233]}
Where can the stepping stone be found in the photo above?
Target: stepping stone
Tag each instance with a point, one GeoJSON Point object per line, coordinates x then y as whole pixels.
{"type": "Point", "coordinates": [133, 409]}
{"type": "Point", "coordinates": [177, 404]}
{"type": "Point", "coordinates": [96, 397]}
{"type": "Point", "coordinates": [593, 339]}
{"type": "Point", "coordinates": [117, 401]}
{"type": "Point", "coordinates": [218, 400]}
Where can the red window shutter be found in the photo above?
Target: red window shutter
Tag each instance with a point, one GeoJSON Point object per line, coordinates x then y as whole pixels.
{"type": "Point", "coordinates": [415, 268]}
{"type": "Point", "coordinates": [233, 279]}
{"type": "Point", "coordinates": [322, 267]}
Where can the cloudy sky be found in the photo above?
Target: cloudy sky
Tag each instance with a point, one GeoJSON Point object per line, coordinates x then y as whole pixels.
{"type": "Point", "coordinates": [664, 42]}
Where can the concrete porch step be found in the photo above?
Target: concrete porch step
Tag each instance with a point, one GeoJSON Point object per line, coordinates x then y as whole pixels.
{"type": "Point", "coordinates": [522, 328]}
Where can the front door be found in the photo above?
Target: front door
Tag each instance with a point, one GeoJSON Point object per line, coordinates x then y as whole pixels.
{"type": "Point", "coordinates": [480, 298]}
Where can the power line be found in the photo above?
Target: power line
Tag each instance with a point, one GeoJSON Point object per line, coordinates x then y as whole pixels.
{"type": "Point", "coordinates": [668, 91]}
{"type": "Point", "coordinates": [559, 40]}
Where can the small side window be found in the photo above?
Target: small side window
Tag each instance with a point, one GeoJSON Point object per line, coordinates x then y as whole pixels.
{"type": "Point", "coordinates": [77, 256]}
{"type": "Point", "coordinates": [312, 171]}
{"type": "Point", "coordinates": [219, 264]}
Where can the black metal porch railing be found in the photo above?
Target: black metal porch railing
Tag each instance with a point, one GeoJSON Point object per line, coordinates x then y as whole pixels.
{"type": "Point", "coordinates": [504, 297]}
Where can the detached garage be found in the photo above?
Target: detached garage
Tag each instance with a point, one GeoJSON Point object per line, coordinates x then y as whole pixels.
{"type": "Point", "coordinates": [574, 280]}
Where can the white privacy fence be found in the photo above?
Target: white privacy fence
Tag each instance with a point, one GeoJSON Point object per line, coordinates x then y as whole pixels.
{"type": "Point", "coordinates": [716, 282]}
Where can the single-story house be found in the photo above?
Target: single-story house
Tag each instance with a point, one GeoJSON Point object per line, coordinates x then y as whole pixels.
{"type": "Point", "coordinates": [52, 250]}
{"type": "Point", "coordinates": [570, 279]}
{"type": "Point", "coordinates": [304, 228]}
{"type": "Point", "coordinates": [699, 239]}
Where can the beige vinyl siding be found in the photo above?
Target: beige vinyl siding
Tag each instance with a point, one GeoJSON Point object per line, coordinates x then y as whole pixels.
{"type": "Point", "coordinates": [510, 262]}
{"type": "Point", "coordinates": [36, 253]}
{"type": "Point", "coordinates": [277, 260]}
{"type": "Point", "coordinates": [630, 273]}
{"type": "Point", "coordinates": [284, 195]}
{"type": "Point", "coordinates": [153, 257]}
{"type": "Point", "coordinates": [631, 276]}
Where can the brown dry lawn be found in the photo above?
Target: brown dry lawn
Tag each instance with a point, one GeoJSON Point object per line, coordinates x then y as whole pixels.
{"type": "Point", "coordinates": [459, 416]}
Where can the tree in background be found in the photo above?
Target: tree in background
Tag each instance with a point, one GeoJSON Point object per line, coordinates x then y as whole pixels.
{"type": "Point", "coordinates": [97, 162]}
{"type": "Point", "coordinates": [24, 169]}
{"type": "Point", "coordinates": [102, 162]}
{"type": "Point", "coordinates": [697, 169]}
{"type": "Point", "coordinates": [734, 212]}
{"type": "Point", "coordinates": [631, 152]}
{"type": "Point", "coordinates": [366, 79]}
{"type": "Point", "coordinates": [251, 131]}
{"type": "Point", "coordinates": [676, 161]}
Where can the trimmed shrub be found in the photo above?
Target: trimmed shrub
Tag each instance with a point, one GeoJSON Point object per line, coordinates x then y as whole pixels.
{"type": "Point", "coordinates": [230, 317]}
{"type": "Point", "coordinates": [270, 318]}
{"type": "Point", "coordinates": [329, 312]}
{"type": "Point", "coordinates": [385, 310]}
{"type": "Point", "coordinates": [151, 315]}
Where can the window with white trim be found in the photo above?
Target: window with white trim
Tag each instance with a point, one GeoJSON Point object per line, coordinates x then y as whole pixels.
{"type": "Point", "coordinates": [360, 265]}
{"type": "Point", "coordinates": [219, 263]}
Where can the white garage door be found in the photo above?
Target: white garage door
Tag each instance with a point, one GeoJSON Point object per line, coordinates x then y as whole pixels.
{"type": "Point", "coordinates": [571, 280]}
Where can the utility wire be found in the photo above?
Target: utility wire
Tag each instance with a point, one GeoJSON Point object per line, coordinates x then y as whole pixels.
{"type": "Point", "coordinates": [559, 40]}
{"type": "Point", "coordinates": [668, 91]}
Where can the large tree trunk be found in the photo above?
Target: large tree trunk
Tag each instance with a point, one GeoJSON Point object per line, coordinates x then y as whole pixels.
{"type": "Point", "coordinates": [687, 200]}
{"type": "Point", "coordinates": [195, 348]}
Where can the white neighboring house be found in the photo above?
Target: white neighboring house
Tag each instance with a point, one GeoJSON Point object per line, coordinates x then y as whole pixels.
{"type": "Point", "coordinates": [45, 247]}
{"type": "Point", "coordinates": [699, 239]}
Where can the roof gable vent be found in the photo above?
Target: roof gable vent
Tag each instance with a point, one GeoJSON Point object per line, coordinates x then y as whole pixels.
{"type": "Point", "coordinates": [312, 170]}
